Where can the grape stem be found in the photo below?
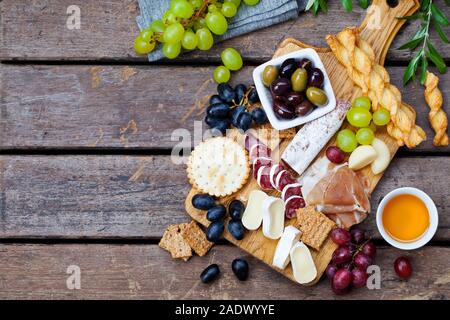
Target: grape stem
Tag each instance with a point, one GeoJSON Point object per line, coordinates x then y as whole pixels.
{"type": "Point", "coordinates": [359, 249]}
{"type": "Point", "coordinates": [197, 15]}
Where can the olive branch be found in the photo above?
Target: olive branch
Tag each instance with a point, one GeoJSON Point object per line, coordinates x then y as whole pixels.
{"type": "Point", "coordinates": [321, 5]}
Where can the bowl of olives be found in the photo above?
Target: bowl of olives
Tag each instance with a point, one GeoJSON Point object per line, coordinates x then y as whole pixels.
{"type": "Point", "coordinates": [294, 89]}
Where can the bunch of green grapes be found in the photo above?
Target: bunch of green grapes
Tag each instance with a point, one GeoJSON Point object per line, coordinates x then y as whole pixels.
{"type": "Point", "coordinates": [188, 24]}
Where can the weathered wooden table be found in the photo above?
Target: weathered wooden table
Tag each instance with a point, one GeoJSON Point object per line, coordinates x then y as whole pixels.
{"type": "Point", "coordinates": [85, 173]}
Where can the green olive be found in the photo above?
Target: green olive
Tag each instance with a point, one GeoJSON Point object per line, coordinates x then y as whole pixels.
{"type": "Point", "coordinates": [317, 96]}
{"type": "Point", "coordinates": [270, 74]}
{"type": "Point", "coordinates": [299, 80]}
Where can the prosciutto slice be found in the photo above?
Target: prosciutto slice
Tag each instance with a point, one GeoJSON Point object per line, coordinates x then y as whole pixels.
{"type": "Point", "coordinates": [336, 191]}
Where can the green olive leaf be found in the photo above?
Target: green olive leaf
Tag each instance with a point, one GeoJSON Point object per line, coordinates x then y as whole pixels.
{"type": "Point", "coordinates": [412, 44]}
{"type": "Point", "coordinates": [348, 5]}
{"type": "Point", "coordinates": [364, 3]}
{"type": "Point", "coordinates": [423, 69]}
{"type": "Point", "coordinates": [440, 32]}
{"type": "Point", "coordinates": [436, 58]}
{"type": "Point", "coordinates": [439, 16]}
{"type": "Point", "coordinates": [411, 68]}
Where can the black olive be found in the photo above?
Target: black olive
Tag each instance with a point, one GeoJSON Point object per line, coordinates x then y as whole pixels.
{"type": "Point", "coordinates": [282, 111]}
{"type": "Point", "coordinates": [239, 91]}
{"type": "Point", "coordinates": [218, 110]}
{"type": "Point", "coordinates": [305, 64]}
{"type": "Point", "coordinates": [226, 92]}
{"type": "Point", "coordinates": [245, 121]}
{"type": "Point", "coordinates": [210, 273]}
{"type": "Point", "coordinates": [240, 269]}
{"type": "Point", "coordinates": [280, 87]}
{"type": "Point", "coordinates": [293, 99]}
{"type": "Point", "coordinates": [315, 78]}
{"type": "Point", "coordinates": [236, 209]}
{"type": "Point", "coordinates": [216, 213]}
{"type": "Point", "coordinates": [235, 114]}
{"type": "Point", "coordinates": [203, 201]}
{"type": "Point", "coordinates": [215, 99]}
{"type": "Point", "coordinates": [304, 108]}
{"type": "Point", "coordinates": [253, 96]}
{"type": "Point", "coordinates": [215, 231]}
{"type": "Point", "coordinates": [287, 68]}
{"type": "Point", "coordinates": [236, 229]}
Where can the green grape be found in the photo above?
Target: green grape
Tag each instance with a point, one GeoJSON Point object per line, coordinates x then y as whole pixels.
{"type": "Point", "coordinates": [146, 34]}
{"type": "Point", "coordinates": [231, 59]}
{"type": "Point", "coordinates": [171, 50]}
{"type": "Point", "coordinates": [229, 9]}
{"type": "Point", "coordinates": [174, 33]}
{"type": "Point", "coordinates": [200, 23]}
{"type": "Point", "coordinates": [362, 102]}
{"type": "Point", "coordinates": [182, 8]}
{"type": "Point", "coordinates": [169, 17]}
{"type": "Point", "coordinates": [365, 136]}
{"type": "Point", "coordinates": [217, 23]}
{"type": "Point", "coordinates": [237, 3]}
{"type": "Point", "coordinates": [142, 46]}
{"type": "Point", "coordinates": [205, 39]}
{"type": "Point", "coordinates": [381, 117]}
{"type": "Point", "coordinates": [196, 3]}
{"type": "Point", "coordinates": [190, 40]}
{"type": "Point", "coordinates": [213, 8]}
{"type": "Point", "coordinates": [359, 117]}
{"type": "Point", "coordinates": [346, 140]}
{"type": "Point", "coordinates": [373, 127]}
{"type": "Point", "coordinates": [222, 74]}
{"type": "Point", "coordinates": [251, 2]}
{"type": "Point", "coordinates": [157, 26]}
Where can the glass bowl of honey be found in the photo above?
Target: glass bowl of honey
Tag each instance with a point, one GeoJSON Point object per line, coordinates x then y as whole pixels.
{"type": "Point", "coordinates": [407, 218]}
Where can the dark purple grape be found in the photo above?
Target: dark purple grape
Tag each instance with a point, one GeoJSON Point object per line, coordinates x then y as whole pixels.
{"type": "Point", "coordinates": [236, 209]}
{"type": "Point", "coordinates": [218, 110]}
{"type": "Point", "coordinates": [210, 273]}
{"type": "Point", "coordinates": [281, 110]}
{"type": "Point", "coordinates": [330, 271]}
{"type": "Point", "coordinates": [259, 116]}
{"type": "Point", "coordinates": [340, 236]}
{"type": "Point", "coordinates": [359, 278]}
{"type": "Point", "coordinates": [203, 201]}
{"type": "Point", "coordinates": [240, 268]}
{"type": "Point", "coordinates": [239, 91]}
{"type": "Point", "coordinates": [358, 236]}
{"type": "Point", "coordinates": [236, 229]}
{"type": "Point", "coordinates": [215, 231]}
{"type": "Point", "coordinates": [287, 68]}
{"type": "Point", "coordinates": [342, 279]}
{"type": "Point", "coordinates": [280, 87]}
{"type": "Point", "coordinates": [305, 64]}
{"type": "Point", "coordinates": [362, 261]}
{"type": "Point", "coordinates": [236, 113]}
{"type": "Point", "coordinates": [369, 249]}
{"type": "Point", "coordinates": [253, 96]}
{"type": "Point", "coordinates": [403, 267]}
{"type": "Point", "coordinates": [245, 121]}
{"type": "Point", "coordinates": [215, 99]}
{"type": "Point", "coordinates": [216, 213]}
{"type": "Point", "coordinates": [315, 78]}
{"type": "Point", "coordinates": [341, 255]}
{"type": "Point", "coordinates": [226, 92]}
{"type": "Point", "coordinates": [304, 108]}
{"type": "Point", "coordinates": [293, 99]}
{"type": "Point", "coordinates": [222, 126]}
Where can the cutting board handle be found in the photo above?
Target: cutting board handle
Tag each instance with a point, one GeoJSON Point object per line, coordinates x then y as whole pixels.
{"type": "Point", "coordinates": [381, 25]}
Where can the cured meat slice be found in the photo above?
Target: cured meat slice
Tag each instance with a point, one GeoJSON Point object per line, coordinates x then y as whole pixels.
{"type": "Point", "coordinates": [259, 150]}
{"type": "Point", "coordinates": [263, 178]}
{"type": "Point", "coordinates": [283, 179]}
{"type": "Point", "coordinates": [293, 189]}
{"type": "Point", "coordinates": [292, 204]}
{"type": "Point", "coordinates": [260, 162]}
{"type": "Point", "coordinates": [274, 171]}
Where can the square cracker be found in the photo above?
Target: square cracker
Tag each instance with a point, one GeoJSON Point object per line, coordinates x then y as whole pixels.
{"type": "Point", "coordinates": [315, 226]}
{"type": "Point", "coordinates": [173, 242]}
{"type": "Point", "coordinates": [196, 238]}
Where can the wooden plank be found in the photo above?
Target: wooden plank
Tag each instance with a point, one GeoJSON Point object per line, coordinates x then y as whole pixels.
{"type": "Point", "coordinates": [147, 272]}
{"type": "Point", "coordinates": [37, 31]}
{"type": "Point", "coordinates": [103, 197]}
{"type": "Point", "coordinates": [125, 107]}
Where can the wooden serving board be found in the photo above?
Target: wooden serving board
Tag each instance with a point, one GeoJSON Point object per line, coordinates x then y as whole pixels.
{"type": "Point", "coordinates": [379, 28]}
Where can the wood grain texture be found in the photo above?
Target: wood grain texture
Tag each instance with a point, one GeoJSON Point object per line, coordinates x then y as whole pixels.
{"type": "Point", "coordinates": [147, 272]}
{"type": "Point", "coordinates": [126, 107]}
{"type": "Point", "coordinates": [102, 197]}
{"type": "Point", "coordinates": [37, 31]}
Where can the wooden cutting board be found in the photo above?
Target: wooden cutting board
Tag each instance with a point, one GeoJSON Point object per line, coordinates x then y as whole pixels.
{"type": "Point", "coordinates": [379, 28]}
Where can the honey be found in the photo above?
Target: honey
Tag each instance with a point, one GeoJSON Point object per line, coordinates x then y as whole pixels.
{"type": "Point", "coordinates": [405, 218]}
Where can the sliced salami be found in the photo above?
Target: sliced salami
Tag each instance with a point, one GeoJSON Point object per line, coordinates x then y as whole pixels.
{"type": "Point", "coordinates": [293, 189]}
{"type": "Point", "coordinates": [292, 204]}
{"type": "Point", "coordinates": [283, 179]}
{"type": "Point", "coordinates": [274, 171]}
{"type": "Point", "coordinates": [259, 150]}
{"type": "Point", "coordinates": [260, 162]}
{"type": "Point", "coordinates": [263, 178]}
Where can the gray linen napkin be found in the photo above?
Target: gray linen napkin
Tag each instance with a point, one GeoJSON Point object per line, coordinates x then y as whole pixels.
{"type": "Point", "coordinates": [248, 18]}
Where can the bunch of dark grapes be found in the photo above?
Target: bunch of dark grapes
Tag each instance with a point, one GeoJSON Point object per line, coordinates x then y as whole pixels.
{"type": "Point", "coordinates": [348, 267]}
{"type": "Point", "coordinates": [231, 106]}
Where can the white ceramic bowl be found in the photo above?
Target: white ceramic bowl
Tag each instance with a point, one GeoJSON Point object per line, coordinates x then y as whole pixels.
{"type": "Point", "coordinates": [266, 99]}
{"type": "Point", "coordinates": [432, 211]}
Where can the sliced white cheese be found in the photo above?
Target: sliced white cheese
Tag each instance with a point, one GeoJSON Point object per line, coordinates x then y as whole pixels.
{"type": "Point", "coordinates": [252, 217]}
{"type": "Point", "coordinates": [361, 157]}
{"type": "Point", "coordinates": [290, 236]}
{"type": "Point", "coordinates": [273, 217]}
{"type": "Point", "coordinates": [303, 266]}
{"type": "Point", "coordinates": [383, 156]}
